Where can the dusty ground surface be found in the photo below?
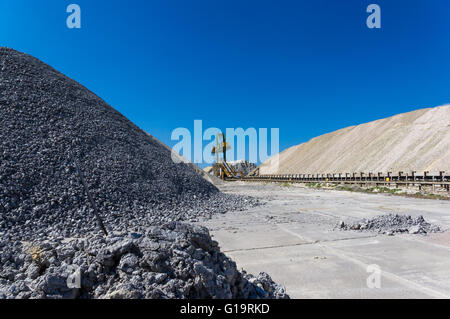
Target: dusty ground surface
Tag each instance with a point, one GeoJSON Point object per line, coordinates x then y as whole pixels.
{"type": "Point", "coordinates": [292, 237]}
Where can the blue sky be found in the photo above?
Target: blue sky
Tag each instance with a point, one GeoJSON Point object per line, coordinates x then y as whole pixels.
{"type": "Point", "coordinates": [306, 67]}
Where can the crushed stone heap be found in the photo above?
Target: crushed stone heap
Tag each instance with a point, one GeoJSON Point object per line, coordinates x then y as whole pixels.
{"type": "Point", "coordinates": [50, 125]}
{"type": "Point", "coordinates": [242, 166]}
{"type": "Point", "coordinates": [391, 224]}
{"type": "Point", "coordinates": [173, 261]}
{"type": "Point", "coordinates": [48, 121]}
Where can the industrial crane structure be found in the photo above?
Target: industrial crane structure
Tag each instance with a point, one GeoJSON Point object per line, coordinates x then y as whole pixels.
{"type": "Point", "coordinates": [222, 168]}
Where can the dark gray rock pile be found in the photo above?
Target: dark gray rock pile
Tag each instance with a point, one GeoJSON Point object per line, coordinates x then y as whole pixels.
{"type": "Point", "coordinates": [47, 227]}
{"type": "Point", "coordinates": [391, 224]}
{"type": "Point", "coordinates": [49, 121]}
{"type": "Point", "coordinates": [242, 166]}
{"type": "Point", "coordinates": [174, 261]}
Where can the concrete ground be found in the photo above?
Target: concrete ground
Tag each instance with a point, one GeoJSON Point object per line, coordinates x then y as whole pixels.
{"type": "Point", "coordinates": [292, 238]}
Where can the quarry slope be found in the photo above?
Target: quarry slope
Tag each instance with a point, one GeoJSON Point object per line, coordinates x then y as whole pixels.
{"type": "Point", "coordinates": [50, 126]}
{"type": "Point", "coordinates": [418, 140]}
{"type": "Point", "coordinates": [50, 121]}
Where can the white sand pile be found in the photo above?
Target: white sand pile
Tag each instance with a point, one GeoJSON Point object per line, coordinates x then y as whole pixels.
{"type": "Point", "coordinates": [418, 140]}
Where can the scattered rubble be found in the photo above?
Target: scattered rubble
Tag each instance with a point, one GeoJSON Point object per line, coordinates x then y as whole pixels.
{"type": "Point", "coordinates": [173, 261]}
{"type": "Point", "coordinates": [242, 166]}
{"type": "Point", "coordinates": [392, 224]}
